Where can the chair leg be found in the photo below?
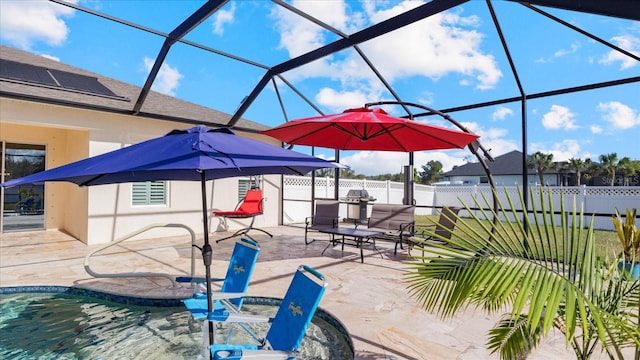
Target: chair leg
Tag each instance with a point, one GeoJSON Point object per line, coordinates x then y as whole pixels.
{"type": "Point", "coordinates": [245, 231]}
{"type": "Point", "coordinates": [228, 237]}
{"type": "Point", "coordinates": [306, 239]}
{"type": "Point", "coordinates": [250, 227]}
{"type": "Point", "coordinates": [395, 248]}
{"type": "Point", "coordinates": [264, 231]}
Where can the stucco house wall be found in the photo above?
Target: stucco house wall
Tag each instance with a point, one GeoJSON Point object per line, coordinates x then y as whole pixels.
{"type": "Point", "coordinates": [103, 213]}
{"type": "Point", "coordinates": [73, 125]}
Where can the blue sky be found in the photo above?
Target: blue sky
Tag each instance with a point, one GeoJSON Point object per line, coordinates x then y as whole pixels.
{"type": "Point", "coordinates": [448, 60]}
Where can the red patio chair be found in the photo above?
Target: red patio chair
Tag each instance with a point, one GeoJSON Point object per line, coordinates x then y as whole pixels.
{"type": "Point", "coordinates": [250, 207]}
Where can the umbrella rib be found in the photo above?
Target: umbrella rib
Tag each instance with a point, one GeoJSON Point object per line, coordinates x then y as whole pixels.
{"type": "Point", "coordinates": [389, 131]}
{"type": "Point", "coordinates": [353, 131]}
{"type": "Point", "coordinates": [299, 138]}
{"type": "Point", "coordinates": [218, 151]}
{"type": "Point", "coordinates": [294, 170]}
{"type": "Point", "coordinates": [88, 182]}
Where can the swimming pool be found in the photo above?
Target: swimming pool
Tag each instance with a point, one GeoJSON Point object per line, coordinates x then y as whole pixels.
{"type": "Point", "coordinates": [70, 323]}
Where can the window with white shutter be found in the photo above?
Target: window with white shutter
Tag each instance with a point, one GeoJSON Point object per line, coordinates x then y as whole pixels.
{"type": "Point", "coordinates": [243, 186]}
{"type": "Point", "coordinates": [149, 193]}
{"type": "Point", "coordinates": [247, 184]}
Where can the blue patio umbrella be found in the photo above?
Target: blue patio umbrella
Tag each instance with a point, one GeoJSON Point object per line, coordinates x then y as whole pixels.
{"type": "Point", "coordinates": [196, 154]}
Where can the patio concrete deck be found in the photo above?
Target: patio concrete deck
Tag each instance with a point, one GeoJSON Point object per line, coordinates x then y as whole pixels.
{"type": "Point", "coordinates": [370, 299]}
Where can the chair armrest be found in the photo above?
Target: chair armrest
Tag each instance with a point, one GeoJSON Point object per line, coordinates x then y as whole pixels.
{"type": "Point", "coordinates": [422, 228]}
{"type": "Point", "coordinates": [308, 220]}
{"type": "Point", "coordinates": [407, 229]}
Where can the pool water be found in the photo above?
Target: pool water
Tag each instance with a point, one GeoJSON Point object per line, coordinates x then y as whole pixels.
{"type": "Point", "coordinates": [69, 326]}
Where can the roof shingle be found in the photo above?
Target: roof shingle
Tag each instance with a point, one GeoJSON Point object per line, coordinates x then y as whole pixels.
{"type": "Point", "coordinates": [156, 105]}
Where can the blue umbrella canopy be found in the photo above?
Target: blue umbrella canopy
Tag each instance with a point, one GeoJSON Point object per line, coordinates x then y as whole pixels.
{"type": "Point", "coordinates": [181, 155]}
{"type": "Point", "coordinates": [197, 154]}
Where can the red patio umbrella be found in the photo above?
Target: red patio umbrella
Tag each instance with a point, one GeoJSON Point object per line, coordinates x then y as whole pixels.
{"type": "Point", "coordinates": [369, 129]}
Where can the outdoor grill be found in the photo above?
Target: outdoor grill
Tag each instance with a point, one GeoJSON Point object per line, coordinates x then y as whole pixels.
{"type": "Point", "coordinates": [357, 200]}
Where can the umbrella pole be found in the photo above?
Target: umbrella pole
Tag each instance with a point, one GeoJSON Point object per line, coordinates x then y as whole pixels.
{"type": "Point", "coordinates": [207, 251]}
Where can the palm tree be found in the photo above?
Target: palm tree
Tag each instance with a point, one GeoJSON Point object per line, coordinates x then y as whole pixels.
{"type": "Point", "coordinates": [609, 163]}
{"type": "Point", "coordinates": [545, 278]}
{"type": "Point", "coordinates": [628, 168]}
{"type": "Point", "coordinates": [576, 165]}
{"type": "Point", "coordinates": [541, 162]}
{"type": "Point", "coordinates": [590, 170]}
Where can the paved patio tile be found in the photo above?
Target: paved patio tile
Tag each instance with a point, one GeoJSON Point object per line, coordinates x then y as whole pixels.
{"type": "Point", "coordinates": [370, 299]}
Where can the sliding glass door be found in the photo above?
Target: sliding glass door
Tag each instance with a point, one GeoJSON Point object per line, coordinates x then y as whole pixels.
{"type": "Point", "coordinates": [22, 206]}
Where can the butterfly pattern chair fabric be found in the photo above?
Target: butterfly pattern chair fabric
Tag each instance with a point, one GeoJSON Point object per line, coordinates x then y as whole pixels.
{"type": "Point", "coordinates": [288, 326]}
{"type": "Point", "coordinates": [234, 284]}
{"type": "Point", "coordinates": [250, 207]}
{"type": "Point", "coordinates": [325, 216]}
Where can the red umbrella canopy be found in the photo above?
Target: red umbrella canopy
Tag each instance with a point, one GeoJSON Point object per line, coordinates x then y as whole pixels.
{"type": "Point", "coordinates": [369, 129]}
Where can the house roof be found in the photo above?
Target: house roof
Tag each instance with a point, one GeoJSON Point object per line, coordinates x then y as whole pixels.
{"type": "Point", "coordinates": [157, 106]}
{"type": "Point", "coordinates": [506, 164]}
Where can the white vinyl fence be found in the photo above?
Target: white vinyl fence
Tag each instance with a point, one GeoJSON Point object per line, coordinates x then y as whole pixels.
{"type": "Point", "coordinates": [600, 201]}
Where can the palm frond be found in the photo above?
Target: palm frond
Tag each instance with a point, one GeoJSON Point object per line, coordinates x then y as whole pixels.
{"type": "Point", "coordinates": [513, 339]}
{"type": "Point", "coordinates": [521, 263]}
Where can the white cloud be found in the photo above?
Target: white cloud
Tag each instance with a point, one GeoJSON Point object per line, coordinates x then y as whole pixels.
{"type": "Point", "coordinates": [562, 151]}
{"type": "Point", "coordinates": [559, 117]}
{"type": "Point", "coordinates": [376, 162]}
{"type": "Point", "coordinates": [383, 162]}
{"type": "Point", "coordinates": [388, 162]}
{"type": "Point", "coordinates": [619, 115]}
{"type": "Point", "coordinates": [167, 80]}
{"type": "Point", "coordinates": [595, 129]}
{"type": "Point", "coordinates": [50, 57]}
{"type": "Point", "coordinates": [573, 48]}
{"type": "Point", "coordinates": [443, 44]}
{"type": "Point", "coordinates": [493, 139]}
{"type": "Point", "coordinates": [298, 35]}
{"type": "Point", "coordinates": [24, 23]}
{"type": "Point", "coordinates": [627, 42]}
{"type": "Point", "coordinates": [501, 113]}
{"type": "Point", "coordinates": [426, 98]}
{"type": "Point", "coordinates": [339, 101]}
{"type": "Point", "coordinates": [223, 17]}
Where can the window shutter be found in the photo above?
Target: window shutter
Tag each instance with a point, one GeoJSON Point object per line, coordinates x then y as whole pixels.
{"type": "Point", "coordinates": [157, 193]}
{"type": "Point", "coordinates": [243, 186]}
{"type": "Point", "coordinates": [149, 193]}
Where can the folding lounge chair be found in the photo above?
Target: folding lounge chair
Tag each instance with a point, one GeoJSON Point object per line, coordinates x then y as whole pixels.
{"type": "Point", "coordinates": [250, 207]}
{"type": "Point", "coordinates": [445, 226]}
{"type": "Point", "coordinates": [234, 285]}
{"type": "Point", "coordinates": [287, 328]}
{"type": "Point", "coordinates": [325, 216]}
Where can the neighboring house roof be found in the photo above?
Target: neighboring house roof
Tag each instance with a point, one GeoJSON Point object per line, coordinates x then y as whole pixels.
{"type": "Point", "coordinates": [506, 164]}
{"type": "Point", "coordinates": [157, 106]}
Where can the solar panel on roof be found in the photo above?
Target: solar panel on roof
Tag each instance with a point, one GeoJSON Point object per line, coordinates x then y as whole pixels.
{"type": "Point", "coordinates": [80, 82]}
{"type": "Point", "coordinates": [25, 72]}
{"type": "Point", "coordinates": [57, 79]}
